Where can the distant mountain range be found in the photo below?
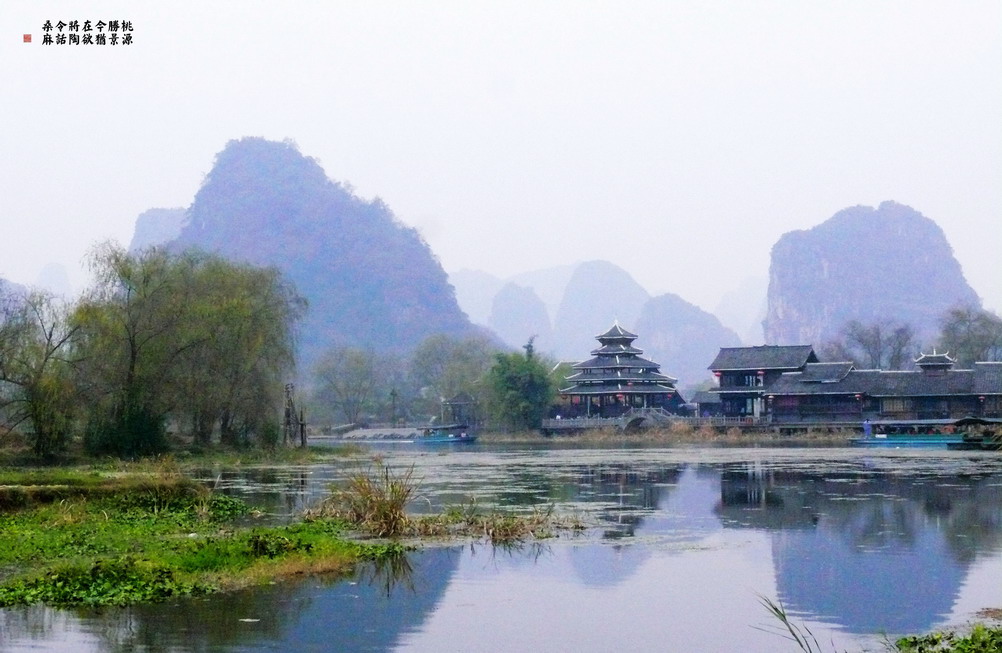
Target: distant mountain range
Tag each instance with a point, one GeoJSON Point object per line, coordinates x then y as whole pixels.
{"type": "Point", "coordinates": [889, 263]}
{"type": "Point", "coordinates": [373, 282]}
{"type": "Point", "coordinates": [586, 299]}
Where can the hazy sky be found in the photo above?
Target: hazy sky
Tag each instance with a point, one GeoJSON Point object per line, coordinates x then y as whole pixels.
{"type": "Point", "coordinates": [678, 140]}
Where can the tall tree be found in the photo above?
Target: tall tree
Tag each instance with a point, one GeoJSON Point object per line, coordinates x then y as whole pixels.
{"type": "Point", "coordinates": [443, 366]}
{"type": "Point", "coordinates": [971, 334]}
{"type": "Point", "coordinates": [877, 345]}
{"type": "Point", "coordinates": [35, 377]}
{"type": "Point", "coordinates": [520, 388]}
{"type": "Point", "coordinates": [188, 338]}
{"type": "Point", "coordinates": [347, 379]}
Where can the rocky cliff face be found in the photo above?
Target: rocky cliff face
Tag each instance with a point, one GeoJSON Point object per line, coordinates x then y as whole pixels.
{"type": "Point", "coordinates": [890, 263]}
{"type": "Point", "coordinates": [370, 280]}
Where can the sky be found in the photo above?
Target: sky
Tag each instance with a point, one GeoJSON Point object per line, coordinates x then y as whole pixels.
{"type": "Point", "coordinates": [676, 139]}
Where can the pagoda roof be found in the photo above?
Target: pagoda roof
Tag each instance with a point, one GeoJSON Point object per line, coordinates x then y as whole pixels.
{"type": "Point", "coordinates": [616, 332]}
{"type": "Point", "coordinates": [612, 350]}
{"type": "Point", "coordinates": [763, 357]}
{"type": "Point", "coordinates": [619, 388]}
{"type": "Point", "coordinates": [623, 375]}
{"type": "Point", "coordinates": [935, 360]}
{"type": "Point", "coordinates": [615, 361]}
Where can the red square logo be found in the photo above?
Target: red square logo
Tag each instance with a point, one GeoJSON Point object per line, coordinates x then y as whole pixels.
{"type": "Point", "coordinates": [27, 38]}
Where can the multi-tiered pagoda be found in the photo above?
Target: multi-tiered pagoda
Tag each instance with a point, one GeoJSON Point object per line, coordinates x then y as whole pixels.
{"type": "Point", "coordinates": [616, 380]}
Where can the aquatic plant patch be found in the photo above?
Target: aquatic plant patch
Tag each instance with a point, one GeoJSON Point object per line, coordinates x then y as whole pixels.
{"type": "Point", "coordinates": [981, 639]}
{"type": "Point", "coordinates": [157, 540]}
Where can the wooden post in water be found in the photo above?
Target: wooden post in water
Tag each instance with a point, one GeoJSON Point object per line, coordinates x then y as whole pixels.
{"type": "Point", "coordinates": [289, 426]}
{"type": "Point", "coordinates": [302, 428]}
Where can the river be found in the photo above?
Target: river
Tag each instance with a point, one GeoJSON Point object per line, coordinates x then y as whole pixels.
{"type": "Point", "coordinates": [682, 545]}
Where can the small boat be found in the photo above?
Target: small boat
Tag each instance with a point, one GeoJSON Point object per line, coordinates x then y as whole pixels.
{"type": "Point", "coordinates": [447, 434]}
{"type": "Point", "coordinates": [937, 433]}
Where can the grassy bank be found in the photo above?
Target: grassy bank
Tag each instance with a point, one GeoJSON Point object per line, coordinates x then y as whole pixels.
{"type": "Point", "coordinates": [19, 457]}
{"type": "Point", "coordinates": [143, 531]}
{"type": "Point", "coordinates": [71, 537]}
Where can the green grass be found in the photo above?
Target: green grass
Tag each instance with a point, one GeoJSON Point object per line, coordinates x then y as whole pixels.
{"type": "Point", "coordinates": [133, 539]}
{"type": "Point", "coordinates": [981, 638]}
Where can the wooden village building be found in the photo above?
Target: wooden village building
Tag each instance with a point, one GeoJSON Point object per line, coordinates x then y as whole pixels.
{"type": "Point", "coordinates": [839, 393]}
{"type": "Point", "coordinates": [617, 380]}
{"type": "Point", "coordinates": [788, 385]}
{"type": "Point", "coordinates": [744, 373]}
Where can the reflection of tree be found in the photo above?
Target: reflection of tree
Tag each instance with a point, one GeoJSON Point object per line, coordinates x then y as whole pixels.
{"type": "Point", "coordinates": [369, 612]}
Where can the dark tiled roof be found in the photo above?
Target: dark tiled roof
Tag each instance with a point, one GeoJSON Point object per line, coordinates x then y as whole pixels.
{"type": "Point", "coordinates": [622, 375]}
{"type": "Point", "coordinates": [988, 378]}
{"type": "Point", "coordinates": [706, 397]}
{"type": "Point", "coordinates": [882, 383]}
{"type": "Point", "coordinates": [608, 388]}
{"type": "Point", "coordinates": [616, 332]}
{"type": "Point", "coordinates": [616, 361]}
{"type": "Point", "coordinates": [825, 372]}
{"type": "Point", "coordinates": [612, 350]}
{"type": "Point", "coordinates": [934, 359]}
{"type": "Point", "coordinates": [763, 357]}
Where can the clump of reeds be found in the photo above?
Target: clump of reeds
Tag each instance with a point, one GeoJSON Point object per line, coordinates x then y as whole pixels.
{"type": "Point", "coordinates": [499, 527]}
{"type": "Point", "coordinates": [372, 500]}
{"type": "Point", "coordinates": [801, 636]}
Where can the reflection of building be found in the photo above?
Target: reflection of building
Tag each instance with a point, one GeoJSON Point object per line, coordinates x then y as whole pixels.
{"type": "Point", "coordinates": [616, 380]}
{"type": "Point", "coordinates": [892, 558]}
{"type": "Point", "coordinates": [745, 372]}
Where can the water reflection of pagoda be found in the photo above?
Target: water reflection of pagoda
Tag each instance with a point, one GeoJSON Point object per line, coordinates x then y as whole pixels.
{"type": "Point", "coordinates": [616, 380]}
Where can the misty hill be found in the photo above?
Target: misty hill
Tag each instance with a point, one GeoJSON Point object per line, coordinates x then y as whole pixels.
{"type": "Point", "coordinates": [475, 292]}
{"type": "Point", "coordinates": [891, 263]}
{"type": "Point", "coordinates": [682, 337]}
{"type": "Point", "coordinates": [156, 227]}
{"type": "Point", "coordinates": [597, 294]}
{"type": "Point", "coordinates": [549, 284]}
{"type": "Point", "coordinates": [11, 289]}
{"type": "Point", "coordinates": [743, 309]}
{"type": "Point", "coordinates": [54, 278]}
{"type": "Point", "coordinates": [370, 280]}
{"type": "Point", "coordinates": [518, 314]}
{"type": "Point", "coordinates": [588, 298]}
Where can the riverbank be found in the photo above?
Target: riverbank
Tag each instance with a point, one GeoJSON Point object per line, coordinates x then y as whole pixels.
{"type": "Point", "coordinates": [683, 435]}
{"type": "Point", "coordinates": [144, 532]}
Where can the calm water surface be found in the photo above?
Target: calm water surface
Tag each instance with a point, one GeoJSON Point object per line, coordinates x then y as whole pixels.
{"type": "Point", "coordinates": [681, 544]}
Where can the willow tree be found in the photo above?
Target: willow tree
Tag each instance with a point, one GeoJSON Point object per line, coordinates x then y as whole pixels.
{"type": "Point", "coordinates": [242, 323]}
{"type": "Point", "coordinates": [189, 339]}
{"type": "Point", "coordinates": [36, 389]}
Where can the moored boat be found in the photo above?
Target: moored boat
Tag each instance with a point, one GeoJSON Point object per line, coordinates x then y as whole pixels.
{"type": "Point", "coordinates": [966, 433]}
{"type": "Point", "coordinates": [447, 434]}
